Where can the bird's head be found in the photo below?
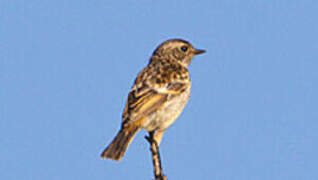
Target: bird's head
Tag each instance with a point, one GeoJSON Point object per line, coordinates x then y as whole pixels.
{"type": "Point", "coordinates": [177, 49]}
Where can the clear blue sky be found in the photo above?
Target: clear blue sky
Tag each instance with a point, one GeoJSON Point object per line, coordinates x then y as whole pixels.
{"type": "Point", "coordinates": [67, 66]}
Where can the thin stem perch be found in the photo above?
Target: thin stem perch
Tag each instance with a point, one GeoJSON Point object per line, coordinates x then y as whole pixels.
{"type": "Point", "coordinates": [154, 148]}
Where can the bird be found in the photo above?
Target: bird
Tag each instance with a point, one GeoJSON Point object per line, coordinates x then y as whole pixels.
{"type": "Point", "coordinates": [157, 97]}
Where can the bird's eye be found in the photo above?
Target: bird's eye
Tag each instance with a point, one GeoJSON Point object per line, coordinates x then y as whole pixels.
{"type": "Point", "coordinates": [184, 48]}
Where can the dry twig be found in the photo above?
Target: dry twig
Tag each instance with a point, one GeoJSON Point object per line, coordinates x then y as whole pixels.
{"type": "Point", "coordinates": [154, 148]}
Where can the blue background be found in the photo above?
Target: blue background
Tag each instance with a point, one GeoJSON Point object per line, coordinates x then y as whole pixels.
{"type": "Point", "coordinates": [67, 66]}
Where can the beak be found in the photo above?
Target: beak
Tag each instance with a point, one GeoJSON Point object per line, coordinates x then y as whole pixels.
{"type": "Point", "coordinates": [198, 51]}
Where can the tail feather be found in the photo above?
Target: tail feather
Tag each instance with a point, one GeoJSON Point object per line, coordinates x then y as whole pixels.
{"type": "Point", "coordinates": [116, 149]}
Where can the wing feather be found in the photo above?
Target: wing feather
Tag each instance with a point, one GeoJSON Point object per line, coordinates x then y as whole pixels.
{"type": "Point", "coordinates": [143, 104]}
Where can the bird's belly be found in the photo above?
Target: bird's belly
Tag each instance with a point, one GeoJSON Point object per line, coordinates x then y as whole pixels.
{"type": "Point", "coordinates": [164, 117]}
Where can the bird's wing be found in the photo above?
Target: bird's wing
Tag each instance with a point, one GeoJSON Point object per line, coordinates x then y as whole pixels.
{"type": "Point", "coordinates": [149, 98]}
{"type": "Point", "coordinates": [141, 104]}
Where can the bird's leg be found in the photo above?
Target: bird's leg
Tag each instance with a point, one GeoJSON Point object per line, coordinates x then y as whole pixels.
{"type": "Point", "coordinates": [158, 136]}
{"type": "Point", "coordinates": [154, 148]}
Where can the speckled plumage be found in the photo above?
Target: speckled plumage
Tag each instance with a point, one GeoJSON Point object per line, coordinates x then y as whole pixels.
{"type": "Point", "coordinates": [158, 95]}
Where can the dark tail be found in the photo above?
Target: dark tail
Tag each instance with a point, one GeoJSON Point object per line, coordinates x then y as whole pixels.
{"type": "Point", "coordinates": [116, 149]}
